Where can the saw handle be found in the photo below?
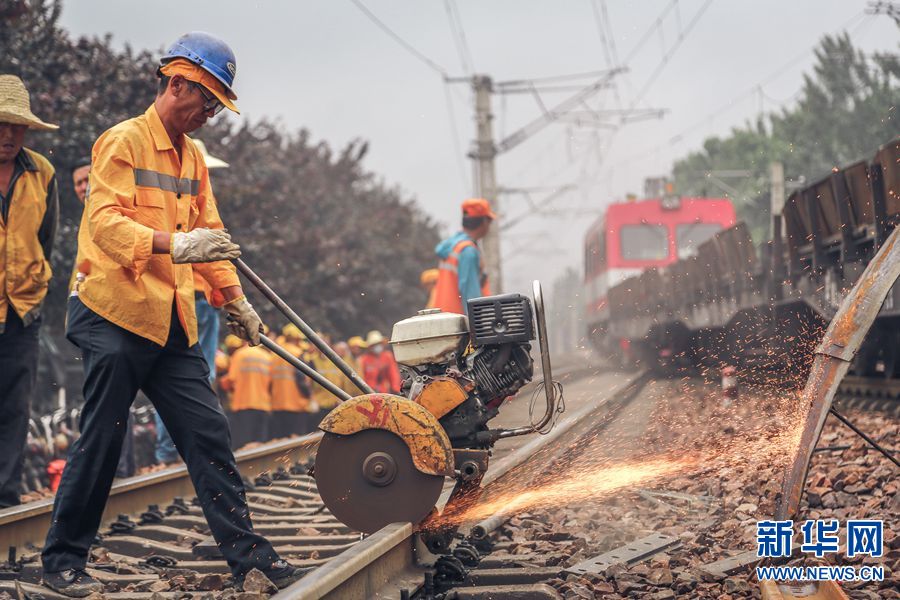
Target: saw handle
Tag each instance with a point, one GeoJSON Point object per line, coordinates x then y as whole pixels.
{"type": "Point", "coordinates": [303, 367]}
{"type": "Point", "coordinates": [313, 337]}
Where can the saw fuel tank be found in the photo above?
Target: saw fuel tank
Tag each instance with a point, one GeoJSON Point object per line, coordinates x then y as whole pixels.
{"type": "Point", "coordinates": [431, 336]}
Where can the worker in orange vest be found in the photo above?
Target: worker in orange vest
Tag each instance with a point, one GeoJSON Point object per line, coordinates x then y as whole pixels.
{"type": "Point", "coordinates": [251, 395]}
{"type": "Point", "coordinates": [461, 269]}
{"type": "Point", "coordinates": [290, 390]}
{"type": "Point", "coordinates": [378, 366]}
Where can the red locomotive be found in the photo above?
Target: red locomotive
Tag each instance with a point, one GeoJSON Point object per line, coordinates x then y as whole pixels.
{"type": "Point", "coordinates": [634, 236]}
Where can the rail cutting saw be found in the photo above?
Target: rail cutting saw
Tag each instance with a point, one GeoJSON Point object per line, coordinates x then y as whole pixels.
{"type": "Point", "coordinates": [385, 458]}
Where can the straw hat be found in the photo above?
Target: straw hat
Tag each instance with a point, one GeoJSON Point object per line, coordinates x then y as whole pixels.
{"type": "Point", "coordinates": [375, 337]}
{"type": "Point", "coordinates": [15, 104]}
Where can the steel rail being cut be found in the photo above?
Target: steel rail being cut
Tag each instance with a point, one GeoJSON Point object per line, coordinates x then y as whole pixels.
{"type": "Point", "coordinates": [832, 360]}
{"type": "Point", "coordinates": [387, 557]}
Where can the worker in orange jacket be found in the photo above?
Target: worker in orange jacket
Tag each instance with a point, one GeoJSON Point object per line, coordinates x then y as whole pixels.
{"type": "Point", "coordinates": [251, 395]}
{"type": "Point", "coordinates": [150, 219]}
{"type": "Point", "coordinates": [290, 390]}
{"type": "Point", "coordinates": [378, 366]}
{"type": "Point", "coordinates": [462, 275]}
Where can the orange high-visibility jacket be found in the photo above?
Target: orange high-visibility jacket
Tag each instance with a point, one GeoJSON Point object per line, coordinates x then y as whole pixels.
{"type": "Point", "coordinates": [250, 379]}
{"type": "Point", "coordinates": [138, 185]}
{"type": "Point", "coordinates": [381, 372]}
{"type": "Point", "coordinates": [446, 291]}
{"type": "Point", "coordinates": [285, 393]}
{"type": "Point", "coordinates": [26, 238]}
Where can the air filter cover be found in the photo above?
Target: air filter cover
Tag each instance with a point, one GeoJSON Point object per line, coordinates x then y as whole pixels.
{"type": "Point", "coordinates": [500, 319]}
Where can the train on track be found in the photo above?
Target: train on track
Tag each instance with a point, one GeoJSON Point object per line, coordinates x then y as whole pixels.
{"type": "Point", "coordinates": [726, 300]}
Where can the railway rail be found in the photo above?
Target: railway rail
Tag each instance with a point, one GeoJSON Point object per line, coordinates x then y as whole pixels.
{"type": "Point", "coordinates": [152, 538]}
{"type": "Point", "coordinates": [155, 545]}
{"type": "Point", "coordinates": [394, 563]}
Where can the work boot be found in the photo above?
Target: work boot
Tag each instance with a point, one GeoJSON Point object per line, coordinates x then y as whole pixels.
{"type": "Point", "coordinates": [74, 583]}
{"type": "Point", "coordinates": [281, 573]}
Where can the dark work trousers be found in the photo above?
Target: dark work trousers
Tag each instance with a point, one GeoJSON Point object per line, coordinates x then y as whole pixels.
{"type": "Point", "coordinates": [248, 426]}
{"type": "Point", "coordinates": [127, 465]}
{"type": "Point", "coordinates": [176, 379]}
{"type": "Point", "coordinates": [18, 375]}
{"type": "Point", "coordinates": [285, 423]}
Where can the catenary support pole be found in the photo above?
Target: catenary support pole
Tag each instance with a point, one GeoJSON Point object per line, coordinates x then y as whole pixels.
{"type": "Point", "coordinates": [483, 155]}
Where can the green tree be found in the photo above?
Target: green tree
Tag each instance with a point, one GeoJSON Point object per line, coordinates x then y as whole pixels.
{"type": "Point", "coordinates": [845, 109]}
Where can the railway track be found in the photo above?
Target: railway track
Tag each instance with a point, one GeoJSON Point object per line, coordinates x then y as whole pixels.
{"type": "Point", "coordinates": [153, 541]}
{"type": "Point", "coordinates": [155, 544]}
{"type": "Point", "coordinates": [393, 562]}
{"type": "Point", "coordinates": [867, 393]}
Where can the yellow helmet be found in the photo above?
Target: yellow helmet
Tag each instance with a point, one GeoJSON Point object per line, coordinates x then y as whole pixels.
{"type": "Point", "coordinates": [357, 342]}
{"type": "Point", "coordinates": [292, 331]}
{"type": "Point", "coordinates": [233, 342]}
{"type": "Point", "coordinates": [428, 277]}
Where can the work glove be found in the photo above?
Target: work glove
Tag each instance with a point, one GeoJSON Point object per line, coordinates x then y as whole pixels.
{"type": "Point", "coordinates": [243, 320]}
{"type": "Point", "coordinates": [203, 245]}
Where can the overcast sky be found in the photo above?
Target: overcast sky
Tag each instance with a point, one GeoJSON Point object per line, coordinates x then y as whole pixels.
{"type": "Point", "coordinates": [323, 65]}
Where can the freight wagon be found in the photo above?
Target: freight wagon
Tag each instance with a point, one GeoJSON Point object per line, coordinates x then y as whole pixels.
{"type": "Point", "coordinates": [735, 303]}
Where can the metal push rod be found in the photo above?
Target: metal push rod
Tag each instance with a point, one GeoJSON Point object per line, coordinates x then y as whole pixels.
{"type": "Point", "coordinates": [313, 337]}
{"type": "Point", "coordinates": [303, 368]}
{"type": "Point", "coordinates": [863, 435]}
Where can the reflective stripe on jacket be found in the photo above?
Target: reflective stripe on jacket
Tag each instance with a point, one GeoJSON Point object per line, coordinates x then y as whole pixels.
{"type": "Point", "coordinates": [251, 379]}
{"type": "Point", "coordinates": [26, 237]}
{"type": "Point", "coordinates": [447, 293]}
{"type": "Point", "coordinates": [285, 393]}
{"type": "Point", "coordinates": [139, 185]}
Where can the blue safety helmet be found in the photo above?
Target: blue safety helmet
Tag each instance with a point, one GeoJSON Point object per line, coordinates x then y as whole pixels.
{"type": "Point", "coordinates": [208, 52]}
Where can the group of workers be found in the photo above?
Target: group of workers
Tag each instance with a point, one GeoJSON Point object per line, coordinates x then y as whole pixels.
{"type": "Point", "coordinates": [267, 398]}
{"type": "Point", "coordinates": [152, 271]}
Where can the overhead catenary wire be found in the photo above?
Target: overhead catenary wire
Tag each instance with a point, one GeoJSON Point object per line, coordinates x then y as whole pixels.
{"type": "Point", "coordinates": [396, 37]}
{"type": "Point", "coordinates": [459, 36]}
{"type": "Point", "coordinates": [434, 66]}
{"type": "Point", "coordinates": [749, 92]}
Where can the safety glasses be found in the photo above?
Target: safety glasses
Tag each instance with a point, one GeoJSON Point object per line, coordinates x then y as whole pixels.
{"type": "Point", "coordinates": [212, 103]}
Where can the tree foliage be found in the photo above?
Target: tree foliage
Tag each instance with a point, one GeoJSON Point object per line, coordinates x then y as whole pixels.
{"type": "Point", "coordinates": [846, 108]}
{"type": "Point", "coordinates": [342, 247]}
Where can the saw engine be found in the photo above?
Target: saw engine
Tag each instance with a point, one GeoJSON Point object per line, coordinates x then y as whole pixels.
{"type": "Point", "coordinates": [483, 363]}
{"type": "Point", "coordinates": [384, 458]}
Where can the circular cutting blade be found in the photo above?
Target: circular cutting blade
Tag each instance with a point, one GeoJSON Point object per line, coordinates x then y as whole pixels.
{"type": "Point", "coordinates": [368, 480]}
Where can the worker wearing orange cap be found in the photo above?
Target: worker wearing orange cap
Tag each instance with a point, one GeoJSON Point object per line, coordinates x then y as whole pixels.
{"type": "Point", "coordinates": [461, 273]}
{"type": "Point", "coordinates": [150, 219]}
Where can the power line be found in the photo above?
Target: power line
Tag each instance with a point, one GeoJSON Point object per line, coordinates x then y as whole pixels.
{"type": "Point", "coordinates": [671, 52]}
{"type": "Point", "coordinates": [409, 47]}
{"type": "Point", "coordinates": [647, 34]}
{"type": "Point", "coordinates": [459, 36]}
{"type": "Point", "coordinates": [747, 93]}
{"type": "Point", "coordinates": [601, 31]}
{"type": "Point", "coordinates": [457, 145]}
{"type": "Point", "coordinates": [609, 34]}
